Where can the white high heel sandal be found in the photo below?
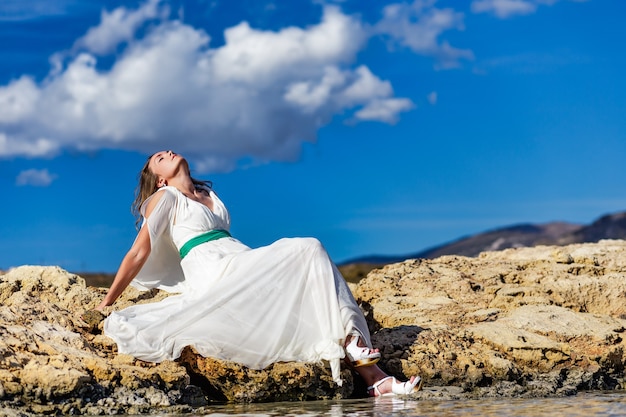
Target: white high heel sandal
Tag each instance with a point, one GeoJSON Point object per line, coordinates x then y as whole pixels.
{"type": "Point", "coordinates": [360, 356]}
{"type": "Point", "coordinates": [397, 388]}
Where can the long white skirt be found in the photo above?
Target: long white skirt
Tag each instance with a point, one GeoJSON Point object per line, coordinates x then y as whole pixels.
{"type": "Point", "coordinates": [282, 302]}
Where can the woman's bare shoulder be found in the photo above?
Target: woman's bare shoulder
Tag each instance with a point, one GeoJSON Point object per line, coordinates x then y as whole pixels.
{"type": "Point", "coordinates": [152, 201]}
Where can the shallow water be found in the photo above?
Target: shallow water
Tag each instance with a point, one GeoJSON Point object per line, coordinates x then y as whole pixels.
{"type": "Point", "coordinates": [581, 405]}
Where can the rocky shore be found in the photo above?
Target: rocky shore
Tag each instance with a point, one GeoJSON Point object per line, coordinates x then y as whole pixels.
{"type": "Point", "coordinates": [530, 322]}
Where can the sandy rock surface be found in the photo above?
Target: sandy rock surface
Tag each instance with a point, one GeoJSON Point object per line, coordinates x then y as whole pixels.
{"type": "Point", "coordinates": [525, 322]}
{"type": "Point", "coordinates": [505, 319]}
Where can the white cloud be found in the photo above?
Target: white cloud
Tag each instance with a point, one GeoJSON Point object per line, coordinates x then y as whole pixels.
{"type": "Point", "coordinates": [32, 148]}
{"type": "Point", "coordinates": [529, 63]}
{"type": "Point", "coordinates": [384, 109]}
{"type": "Point", "coordinates": [252, 55]}
{"type": "Point", "coordinates": [20, 10]}
{"type": "Point", "coordinates": [257, 97]}
{"type": "Point", "coordinates": [419, 26]}
{"type": "Point", "coordinates": [504, 9]}
{"type": "Point", "coordinates": [18, 100]}
{"type": "Point", "coordinates": [35, 178]}
{"type": "Point", "coordinates": [311, 95]}
{"type": "Point", "coordinates": [118, 26]}
{"type": "Point", "coordinates": [432, 97]}
{"type": "Point", "coordinates": [367, 85]}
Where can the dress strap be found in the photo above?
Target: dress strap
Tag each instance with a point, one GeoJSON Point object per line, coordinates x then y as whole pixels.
{"type": "Point", "coordinates": [205, 237]}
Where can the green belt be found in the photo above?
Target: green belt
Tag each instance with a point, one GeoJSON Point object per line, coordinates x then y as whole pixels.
{"type": "Point", "coordinates": [205, 237]}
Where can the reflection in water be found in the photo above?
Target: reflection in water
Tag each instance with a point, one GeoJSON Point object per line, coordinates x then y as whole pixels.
{"type": "Point", "coordinates": [582, 405]}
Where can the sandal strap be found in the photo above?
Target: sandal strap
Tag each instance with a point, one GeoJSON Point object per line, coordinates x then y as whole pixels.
{"type": "Point", "coordinates": [377, 384]}
{"type": "Point", "coordinates": [380, 381]}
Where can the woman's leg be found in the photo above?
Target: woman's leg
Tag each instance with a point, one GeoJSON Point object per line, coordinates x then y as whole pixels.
{"type": "Point", "coordinates": [356, 326]}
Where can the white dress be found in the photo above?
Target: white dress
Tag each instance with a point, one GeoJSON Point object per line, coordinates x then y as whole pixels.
{"type": "Point", "coordinates": [282, 302]}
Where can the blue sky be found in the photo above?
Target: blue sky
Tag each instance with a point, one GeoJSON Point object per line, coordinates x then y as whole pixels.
{"type": "Point", "coordinates": [379, 127]}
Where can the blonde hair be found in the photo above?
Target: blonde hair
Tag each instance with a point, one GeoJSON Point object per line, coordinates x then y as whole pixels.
{"type": "Point", "coordinates": [147, 185]}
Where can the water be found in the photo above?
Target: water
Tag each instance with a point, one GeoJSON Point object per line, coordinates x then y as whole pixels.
{"type": "Point", "coordinates": [581, 405]}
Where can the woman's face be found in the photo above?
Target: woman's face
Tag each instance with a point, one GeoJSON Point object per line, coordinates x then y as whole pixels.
{"type": "Point", "coordinates": [165, 164]}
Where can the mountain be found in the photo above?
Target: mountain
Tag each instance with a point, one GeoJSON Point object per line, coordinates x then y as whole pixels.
{"type": "Point", "coordinates": [610, 226]}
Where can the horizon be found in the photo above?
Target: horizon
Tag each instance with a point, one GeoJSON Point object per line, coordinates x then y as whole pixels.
{"type": "Point", "coordinates": [380, 128]}
{"type": "Point", "coordinates": [417, 254]}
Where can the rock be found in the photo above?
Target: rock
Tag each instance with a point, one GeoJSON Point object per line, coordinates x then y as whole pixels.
{"type": "Point", "coordinates": [93, 318]}
{"type": "Point", "coordinates": [48, 358]}
{"type": "Point", "coordinates": [514, 316]}
{"type": "Point", "coordinates": [278, 382]}
{"type": "Point", "coordinates": [520, 322]}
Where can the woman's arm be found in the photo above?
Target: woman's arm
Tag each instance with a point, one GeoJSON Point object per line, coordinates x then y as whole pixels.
{"type": "Point", "coordinates": [130, 266]}
{"type": "Point", "coordinates": [133, 261]}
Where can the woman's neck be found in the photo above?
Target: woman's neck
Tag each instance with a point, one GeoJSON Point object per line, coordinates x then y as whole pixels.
{"type": "Point", "coordinates": [183, 183]}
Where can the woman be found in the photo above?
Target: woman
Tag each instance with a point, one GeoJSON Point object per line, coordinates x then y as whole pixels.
{"type": "Point", "coordinates": [282, 302]}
